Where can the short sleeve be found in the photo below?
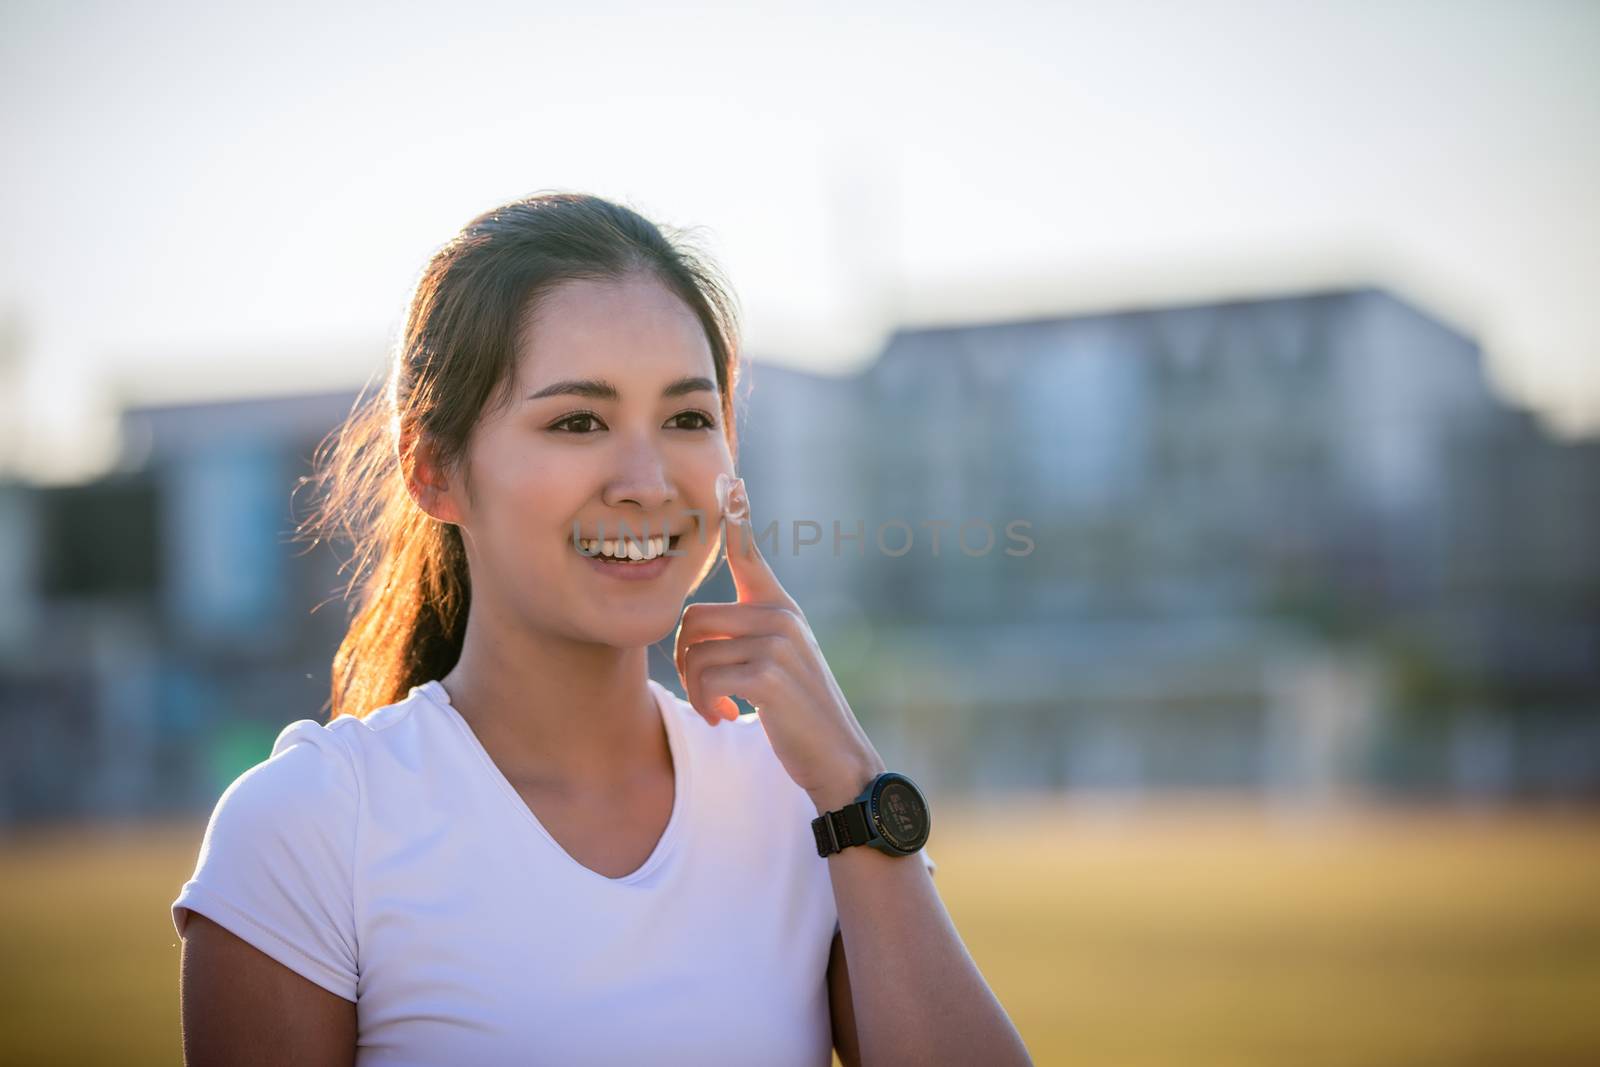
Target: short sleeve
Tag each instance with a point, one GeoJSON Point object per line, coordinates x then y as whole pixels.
{"type": "Point", "coordinates": [276, 865]}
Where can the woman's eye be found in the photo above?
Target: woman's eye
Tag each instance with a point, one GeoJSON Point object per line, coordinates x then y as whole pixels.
{"type": "Point", "coordinates": [582, 417]}
{"type": "Point", "coordinates": [705, 420]}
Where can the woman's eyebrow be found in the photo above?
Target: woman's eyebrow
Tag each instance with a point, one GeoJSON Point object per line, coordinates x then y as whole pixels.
{"type": "Point", "coordinates": [599, 389]}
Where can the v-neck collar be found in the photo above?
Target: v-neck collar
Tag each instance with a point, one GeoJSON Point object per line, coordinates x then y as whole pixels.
{"type": "Point", "coordinates": [437, 695]}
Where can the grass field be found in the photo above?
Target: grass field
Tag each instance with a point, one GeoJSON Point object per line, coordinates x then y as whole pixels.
{"type": "Point", "coordinates": [1184, 933]}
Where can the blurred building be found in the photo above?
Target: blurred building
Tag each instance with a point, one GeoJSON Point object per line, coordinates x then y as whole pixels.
{"type": "Point", "coordinates": [159, 623]}
{"type": "Point", "coordinates": [1293, 544]}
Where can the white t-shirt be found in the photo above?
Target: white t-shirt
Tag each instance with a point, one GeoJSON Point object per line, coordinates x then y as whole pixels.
{"type": "Point", "coordinates": [389, 860]}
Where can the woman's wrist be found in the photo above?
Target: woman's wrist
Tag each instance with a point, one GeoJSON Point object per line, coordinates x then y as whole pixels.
{"type": "Point", "coordinates": [847, 783]}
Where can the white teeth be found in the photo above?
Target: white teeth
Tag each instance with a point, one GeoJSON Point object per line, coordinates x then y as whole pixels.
{"type": "Point", "coordinates": [625, 549]}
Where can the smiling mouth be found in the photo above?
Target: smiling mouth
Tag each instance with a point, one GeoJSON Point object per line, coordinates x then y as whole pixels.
{"type": "Point", "coordinates": [627, 550]}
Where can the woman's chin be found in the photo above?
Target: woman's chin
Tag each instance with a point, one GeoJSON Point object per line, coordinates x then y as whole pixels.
{"type": "Point", "coordinates": [640, 628]}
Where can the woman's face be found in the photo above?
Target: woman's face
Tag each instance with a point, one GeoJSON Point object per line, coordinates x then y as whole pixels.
{"type": "Point", "coordinates": [615, 419]}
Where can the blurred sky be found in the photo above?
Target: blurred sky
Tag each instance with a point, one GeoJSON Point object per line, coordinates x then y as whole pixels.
{"type": "Point", "coordinates": [205, 199]}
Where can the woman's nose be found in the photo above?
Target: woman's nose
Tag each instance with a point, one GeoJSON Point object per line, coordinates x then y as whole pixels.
{"type": "Point", "coordinates": [641, 478]}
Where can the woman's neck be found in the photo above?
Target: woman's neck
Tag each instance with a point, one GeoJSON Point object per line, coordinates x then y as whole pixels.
{"type": "Point", "coordinates": [564, 715]}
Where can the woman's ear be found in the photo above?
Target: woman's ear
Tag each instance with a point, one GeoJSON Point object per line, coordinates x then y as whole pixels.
{"type": "Point", "coordinates": [426, 479]}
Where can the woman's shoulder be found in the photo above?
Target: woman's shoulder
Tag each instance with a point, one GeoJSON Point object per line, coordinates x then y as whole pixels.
{"type": "Point", "coordinates": [275, 863]}
{"type": "Point", "coordinates": [314, 769]}
{"type": "Point", "coordinates": [307, 783]}
{"type": "Point", "coordinates": [397, 729]}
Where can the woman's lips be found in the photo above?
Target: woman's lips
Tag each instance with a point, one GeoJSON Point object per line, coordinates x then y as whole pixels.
{"type": "Point", "coordinates": [633, 570]}
{"type": "Point", "coordinates": [630, 571]}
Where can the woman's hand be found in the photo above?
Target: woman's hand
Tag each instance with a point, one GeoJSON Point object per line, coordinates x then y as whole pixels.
{"type": "Point", "coordinates": [762, 649]}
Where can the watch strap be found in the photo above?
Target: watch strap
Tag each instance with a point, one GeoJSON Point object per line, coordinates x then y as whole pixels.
{"type": "Point", "coordinates": [838, 830]}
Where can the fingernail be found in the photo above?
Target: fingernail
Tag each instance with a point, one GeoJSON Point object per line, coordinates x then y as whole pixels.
{"type": "Point", "coordinates": [732, 499]}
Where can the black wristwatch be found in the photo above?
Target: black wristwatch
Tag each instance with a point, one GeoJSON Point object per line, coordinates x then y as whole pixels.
{"type": "Point", "coordinates": [891, 815]}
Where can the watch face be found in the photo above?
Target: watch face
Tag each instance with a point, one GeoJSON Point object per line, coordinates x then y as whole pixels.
{"type": "Point", "coordinates": [902, 816]}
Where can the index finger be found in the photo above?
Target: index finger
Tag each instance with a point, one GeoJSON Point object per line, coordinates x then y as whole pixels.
{"type": "Point", "coordinates": [753, 577]}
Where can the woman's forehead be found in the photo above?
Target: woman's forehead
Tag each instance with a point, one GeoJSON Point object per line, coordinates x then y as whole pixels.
{"type": "Point", "coordinates": [628, 330]}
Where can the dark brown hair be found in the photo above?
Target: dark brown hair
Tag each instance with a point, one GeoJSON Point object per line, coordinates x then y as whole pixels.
{"type": "Point", "coordinates": [454, 362]}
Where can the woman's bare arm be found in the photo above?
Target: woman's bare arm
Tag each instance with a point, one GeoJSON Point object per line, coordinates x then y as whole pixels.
{"type": "Point", "coordinates": [916, 994]}
{"type": "Point", "coordinates": [242, 1007]}
{"type": "Point", "coordinates": [841, 1006]}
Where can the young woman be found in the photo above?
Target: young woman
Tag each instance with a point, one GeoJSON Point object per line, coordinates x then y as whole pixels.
{"type": "Point", "coordinates": [508, 844]}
